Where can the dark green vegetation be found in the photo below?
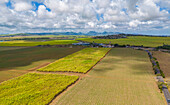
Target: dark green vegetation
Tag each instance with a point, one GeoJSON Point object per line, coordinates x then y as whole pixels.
{"type": "Point", "coordinates": [80, 61]}
{"type": "Point", "coordinates": [33, 89]}
{"type": "Point", "coordinates": [36, 43]}
{"type": "Point", "coordinates": [19, 61]}
{"type": "Point", "coordinates": [10, 48]}
{"type": "Point", "coordinates": [133, 40]}
{"type": "Point", "coordinates": [13, 59]}
{"type": "Point", "coordinates": [164, 47]}
{"type": "Point", "coordinates": [123, 77]}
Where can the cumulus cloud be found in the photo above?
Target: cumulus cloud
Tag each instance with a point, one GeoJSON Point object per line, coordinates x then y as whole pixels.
{"type": "Point", "coordinates": [22, 6]}
{"type": "Point", "coordinates": [44, 13]}
{"type": "Point", "coordinates": [57, 15]}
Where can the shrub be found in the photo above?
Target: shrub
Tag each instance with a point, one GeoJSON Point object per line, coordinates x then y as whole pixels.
{"type": "Point", "coordinates": [154, 58]}
{"type": "Point", "coordinates": [163, 75]}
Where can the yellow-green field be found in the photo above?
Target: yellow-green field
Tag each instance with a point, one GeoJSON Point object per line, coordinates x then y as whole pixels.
{"type": "Point", "coordinates": [15, 62]}
{"type": "Point", "coordinates": [80, 61]}
{"type": "Point", "coordinates": [36, 43]}
{"type": "Point", "coordinates": [123, 77]}
{"type": "Point", "coordinates": [33, 89]}
{"type": "Point", "coordinates": [133, 40]}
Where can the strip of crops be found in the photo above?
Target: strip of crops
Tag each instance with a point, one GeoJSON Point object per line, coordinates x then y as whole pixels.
{"type": "Point", "coordinates": [33, 88]}
{"type": "Point", "coordinates": [133, 40]}
{"type": "Point", "coordinates": [34, 43]}
{"type": "Point", "coordinates": [80, 61]}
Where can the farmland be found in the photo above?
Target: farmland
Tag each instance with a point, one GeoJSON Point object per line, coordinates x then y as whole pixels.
{"type": "Point", "coordinates": [164, 62]}
{"type": "Point", "coordinates": [10, 48]}
{"type": "Point", "coordinates": [133, 40]}
{"type": "Point", "coordinates": [15, 62]}
{"type": "Point", "coordinates": [123, 77]}
{"type": "Point", "coordinates": [10, 37]}
{"type": "Point", "coordinates": [36, 43]}
{"type": "Point", "coordinates": [33, 89]}
{"type": "Point", "coordinates": [80, 61]}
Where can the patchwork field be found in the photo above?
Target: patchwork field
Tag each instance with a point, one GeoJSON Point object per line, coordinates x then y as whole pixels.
{"type": "Point", "coordinates": [20, 61]}
{"type": "Point", "coordinates": [123, 77]}
{"type": "Point", "coordinates": [133, 40]}
{"type": "Point", "coordinates": [80, 61]}
{"type": "Point", "coordinates": [33, 89]}
{"type": "Point", "coordinates": [36, 43]}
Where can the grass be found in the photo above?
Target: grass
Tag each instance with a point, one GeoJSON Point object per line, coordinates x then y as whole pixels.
{"type": "Point", "coordinates": [123, 77]}
{"type": "Point", "coordinates": [19, 61]}
{"type": "Point", "coordinates": [133, 40]}
{"type": "Point", "coordinates": [33, 89]}
{"type": "Point", "coordinates": [80, 61]}
{"type": "Point", "coordinates": [36, 43]}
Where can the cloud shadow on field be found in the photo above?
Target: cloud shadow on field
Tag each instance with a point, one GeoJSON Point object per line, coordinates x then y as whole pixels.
{"type": "Point", "coordinates": [135, 60]}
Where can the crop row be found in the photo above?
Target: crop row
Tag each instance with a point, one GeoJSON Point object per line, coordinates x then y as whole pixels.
{"type": "Point", "coordinates": [34, 89]}
{"type": "Point", "coordinates": [79, 62]}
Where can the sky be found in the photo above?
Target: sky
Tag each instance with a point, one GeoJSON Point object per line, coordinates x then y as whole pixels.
{"type": "Point", "coordinates": [127, 16]}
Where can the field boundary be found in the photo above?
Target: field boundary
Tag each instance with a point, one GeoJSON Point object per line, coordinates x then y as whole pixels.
{"type": "Point", "coordinates": [63, 91]}
{"type": "Point", "coordinates": [98, 61]}
{"type": "Point", "coordinates": [72, 73]}
{"type": "Point", "coordinates": [161, 84]}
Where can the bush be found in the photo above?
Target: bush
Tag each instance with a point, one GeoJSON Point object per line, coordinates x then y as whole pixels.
{"type": "Point", "coordinates": [163, 75]}
{"type": "Point", "coordinates": [158, 64]}
{"type": "Point", "coordinates": [160, 85]}
{"type": "Point", "coordinates": [154, 58]}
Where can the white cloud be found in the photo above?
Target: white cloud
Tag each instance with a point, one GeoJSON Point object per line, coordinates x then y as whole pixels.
{"type": "Point", "coordinates": [148, 10]}
{"type": "Point", "coordinates": [43, 13]}
{"type": "Point", "coordinates": [22, 6]}
{"type": "Point", "coordinates": [84, 14]}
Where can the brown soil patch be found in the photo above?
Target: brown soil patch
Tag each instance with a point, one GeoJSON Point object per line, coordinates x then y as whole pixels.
{"type": "Point", "coordinates": [164, 62]}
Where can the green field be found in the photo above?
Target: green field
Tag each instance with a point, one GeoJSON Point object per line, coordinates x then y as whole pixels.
{"type": "Point", "coordinates": [133, 40]}
{"type": "Point", "coordinates": [20, 61]}
{"type": "Point", "coordinates": [36, 43]}
{"type": "Point", "coordinates": [80, 61]}
{"type": "Point", "coordinates": [33, 89]}
{"type": "Point", "coordinates": [123, 77]}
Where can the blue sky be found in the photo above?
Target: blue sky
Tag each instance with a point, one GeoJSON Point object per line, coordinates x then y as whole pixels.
{"type": "Point", "coordinates": [128, 16]}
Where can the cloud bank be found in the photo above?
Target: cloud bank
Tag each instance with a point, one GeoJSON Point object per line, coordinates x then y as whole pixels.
{"type": "Point", "coordinates": [130, 16]}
